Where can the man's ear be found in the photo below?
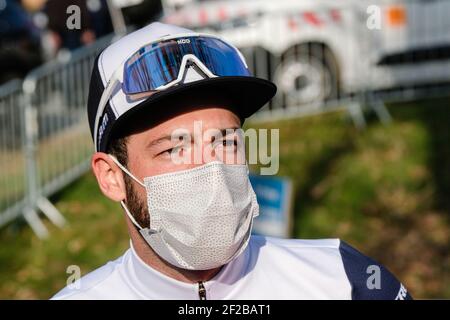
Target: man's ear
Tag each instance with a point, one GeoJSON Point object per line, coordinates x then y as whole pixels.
{"type": "Point", "coordinates": [109, 176]}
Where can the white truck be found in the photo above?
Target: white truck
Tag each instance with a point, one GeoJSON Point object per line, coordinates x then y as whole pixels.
{"type": "Point", "coordinates": [321, 48]}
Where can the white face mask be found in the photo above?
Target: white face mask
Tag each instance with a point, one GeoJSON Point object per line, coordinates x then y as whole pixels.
{"type": "Point", "coordinates": [200, 218]}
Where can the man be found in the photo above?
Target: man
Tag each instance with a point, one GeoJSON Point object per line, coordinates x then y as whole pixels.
{"type": "Point", "coordinates": [190, 221]}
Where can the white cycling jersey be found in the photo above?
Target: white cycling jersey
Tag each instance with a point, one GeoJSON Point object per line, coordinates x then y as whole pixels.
{"type": "Point", "coordinates": [269, 268]}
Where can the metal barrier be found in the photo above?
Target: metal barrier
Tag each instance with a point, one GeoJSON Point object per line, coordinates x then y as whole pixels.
{"type": "Point", "coordinates": [45, 142]}
{"type": "Point", "coordinates": [12, 152]}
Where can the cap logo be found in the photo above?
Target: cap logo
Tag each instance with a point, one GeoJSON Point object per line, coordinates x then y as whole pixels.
{"type": "Point", "coordinates": [183, 41]}
{"type": "Point", "coordinates": [102, 128]}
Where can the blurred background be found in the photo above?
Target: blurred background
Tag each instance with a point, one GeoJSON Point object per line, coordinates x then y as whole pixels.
{"type": "Point", "coordinates": [362, 108]}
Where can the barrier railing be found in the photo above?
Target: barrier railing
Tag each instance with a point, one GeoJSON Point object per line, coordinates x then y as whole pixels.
{"type": "Point", "coordinates": [45, 142]}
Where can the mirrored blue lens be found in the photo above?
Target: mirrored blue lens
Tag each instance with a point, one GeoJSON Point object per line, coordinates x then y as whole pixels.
{"type": "Point", "coordinates": [159, 63]}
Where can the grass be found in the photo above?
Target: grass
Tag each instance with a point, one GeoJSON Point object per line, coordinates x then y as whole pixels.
{"type": "Point", "coordinates": [384, 190]}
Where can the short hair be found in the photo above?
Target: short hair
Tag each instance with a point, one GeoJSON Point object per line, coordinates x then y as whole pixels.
{"type": "Point", "coordinates": [118, 148]}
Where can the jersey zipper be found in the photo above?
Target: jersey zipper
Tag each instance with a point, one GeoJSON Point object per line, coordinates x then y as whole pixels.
{"type": "Point", "coordinates": [201, 290]}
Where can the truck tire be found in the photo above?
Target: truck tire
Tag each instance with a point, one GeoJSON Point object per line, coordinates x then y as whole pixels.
{"type": "Point", "coordinates": [307, 75]}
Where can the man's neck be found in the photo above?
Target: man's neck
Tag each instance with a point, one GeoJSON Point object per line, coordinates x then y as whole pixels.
{"type": "Point", "coordinates": [146, 253]}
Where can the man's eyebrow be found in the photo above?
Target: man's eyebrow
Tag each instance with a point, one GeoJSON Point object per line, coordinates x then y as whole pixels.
{"type": "Point", "coordinates": [160, 140]}
{"type": "Point", "coordinates": [169, 138]}
{"type": "Point", "coordinates": [232, 129]}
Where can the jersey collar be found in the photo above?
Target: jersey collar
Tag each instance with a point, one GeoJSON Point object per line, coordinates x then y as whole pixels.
{"type": "Point", "coordinates": [152, 284]}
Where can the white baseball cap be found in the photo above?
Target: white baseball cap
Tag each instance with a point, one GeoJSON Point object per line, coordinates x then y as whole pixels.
{"type": "Point", "coordinates": [243, 94]}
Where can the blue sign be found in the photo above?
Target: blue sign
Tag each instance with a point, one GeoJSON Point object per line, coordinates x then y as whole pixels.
{"type": "Point", "coordinates": [274, 198]}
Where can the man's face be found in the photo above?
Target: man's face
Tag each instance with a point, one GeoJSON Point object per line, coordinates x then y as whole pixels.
{"type": "Point", "coordinates": [183, 142]}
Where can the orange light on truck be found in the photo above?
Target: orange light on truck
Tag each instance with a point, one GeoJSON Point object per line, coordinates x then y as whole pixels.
{"type": "Point", "coordinates": [396, 16]}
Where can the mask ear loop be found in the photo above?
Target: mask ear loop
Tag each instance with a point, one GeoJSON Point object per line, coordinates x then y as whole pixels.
{"type": "Point", "coordinates": [122, 203]}
{"type": "Point", "coordinates": [125, 170]}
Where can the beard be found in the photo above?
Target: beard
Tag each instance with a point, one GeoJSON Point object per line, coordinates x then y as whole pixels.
{"type": "Point", "coordinates": [136, 206]}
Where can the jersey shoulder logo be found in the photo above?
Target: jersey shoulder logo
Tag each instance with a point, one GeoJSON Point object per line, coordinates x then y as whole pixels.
{"type": "Point", "coordinates": [402, 293]}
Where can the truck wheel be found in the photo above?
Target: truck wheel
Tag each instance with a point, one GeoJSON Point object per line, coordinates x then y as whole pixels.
{"type": "Point", "coordinates": [307, 75]}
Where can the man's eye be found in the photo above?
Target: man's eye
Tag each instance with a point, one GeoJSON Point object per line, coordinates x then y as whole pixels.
{"type": "Point", "coordinates": [164, 153]}
{"type": "Point", "coordinates": [229, 143]}
{"type": "Point", "coordinates": [170, 151]}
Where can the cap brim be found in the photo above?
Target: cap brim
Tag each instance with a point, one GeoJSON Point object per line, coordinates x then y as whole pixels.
{"type": "Point", "coordinates": [242, 95]}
